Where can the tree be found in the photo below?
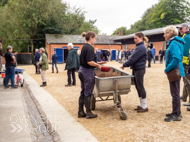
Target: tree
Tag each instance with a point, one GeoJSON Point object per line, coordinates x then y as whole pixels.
{"type": "Point", "coordinates": [26, 22]}
{"type": "Point", "coordinates": [123, 29]}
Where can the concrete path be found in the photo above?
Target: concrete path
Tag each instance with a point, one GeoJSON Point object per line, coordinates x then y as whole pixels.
{"type": "Point", "coordinates": [66, 126]}
{"type": "Point", "coordinates": [13, 125]}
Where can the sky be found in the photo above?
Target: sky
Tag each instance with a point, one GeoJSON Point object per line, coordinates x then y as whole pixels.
{"type": "Point", "coordinates": [112, 14]}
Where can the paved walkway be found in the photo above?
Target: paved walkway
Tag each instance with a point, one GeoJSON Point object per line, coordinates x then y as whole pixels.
{"type": "Point", "coordinates": [14, 122]}
{"type": "Point", "coordinates": [13, 126]}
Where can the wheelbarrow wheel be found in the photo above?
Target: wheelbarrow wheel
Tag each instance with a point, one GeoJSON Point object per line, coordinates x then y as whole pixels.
{"type": "Point", "coordinates": [22, 84]}
{"type": "Point", "coordinates": [93, 102]}
{"type": "Point", "coordinates": [123, 115]}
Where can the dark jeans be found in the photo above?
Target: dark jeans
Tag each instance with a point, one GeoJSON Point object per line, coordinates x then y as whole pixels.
{"type": "Point", "coordinates": [87, 79]}
{"type": "Point", "coordinates": [175, 93]}
{"type": "Point", "coordinates": [37, 69]}
{"type": "Point", "coordinates": [149, 63]}
{"type": "Point", "coordinates": [10, 74]}
{"type": "Point", "coordinates": [139, 82]}
{"type": "Point", "coordinates": [69, 72]}
{"type": "Point", "coordinates": [161, 59]}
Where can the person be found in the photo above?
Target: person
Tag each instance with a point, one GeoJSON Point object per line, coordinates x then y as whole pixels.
{"type": "Point", "coordinates": [99, 55]}
{"type": "Point", "coordinates": [54, 62]}
{"type": "Point", "coordinates": [36, 60]}
{"type": "Point", "coordinates": [88, 62]}
{"type": "Point", "coordinates": [72, 62]}
{"type": "Point", "coordinates": [132, 51]}
{"type": "Point", "coordinates": [108, 55]}
{"type": "Point", "coordinates": [120, 56]}
{"type": "Point", "coordinates": [150, 56]}
{"type": "Point", "coordinates": [137, 62]}
{"type": "Point", "coordinates": [174, 56]}
{"type": "Point", "coordinates": [185, 33]}
{"type": "Point", "coordinates": [117, 55]}
{"type": "Point", "coordinates": [10, 67]}
{"type": "Point", "coordinates": [153, 50]}
{"type": "Point", "coordinates": [44, 66]}
{"type": "Point", "coordinates": [111, 54]}
{"type": "Point", "coordinates": [128, 53]}
{"type": "Point", "coordinates": [161, 54]}
{"type": "Point", "coordinates": [1, 52]}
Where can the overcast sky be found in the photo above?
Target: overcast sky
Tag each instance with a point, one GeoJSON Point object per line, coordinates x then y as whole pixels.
{"type": "Point", "coordinates": [112, 14]}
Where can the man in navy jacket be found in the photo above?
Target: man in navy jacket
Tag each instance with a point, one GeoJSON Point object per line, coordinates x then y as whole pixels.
{"type": "Point", "coordinates": [36, 60]}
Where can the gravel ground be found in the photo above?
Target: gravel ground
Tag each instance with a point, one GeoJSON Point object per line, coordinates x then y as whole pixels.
{"type": "Point", "coordinates": [108, 127]}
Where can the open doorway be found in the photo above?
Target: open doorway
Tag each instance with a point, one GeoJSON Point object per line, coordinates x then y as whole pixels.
{"type": "Point", "coordinates": [65, 54]}
{"type": "Point", "coordinates": [104, 57]}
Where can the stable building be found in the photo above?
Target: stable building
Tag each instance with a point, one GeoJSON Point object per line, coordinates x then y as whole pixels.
{"type": "Point", "coordinates": [58, 43]}
{"type": "Point", "coordinates": [155, 37]}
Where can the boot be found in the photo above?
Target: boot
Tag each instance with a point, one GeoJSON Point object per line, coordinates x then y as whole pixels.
{"type": "Point", "coordinates": [52, 69]}
{"type": "Point", "coordinates": [57, 69]}
{"type": "Point", "coordinates": [89, 114]}
{"type": "Point", "coordinates": [44, 84]}
{"type": "Point", "coordinates": [81, 112]}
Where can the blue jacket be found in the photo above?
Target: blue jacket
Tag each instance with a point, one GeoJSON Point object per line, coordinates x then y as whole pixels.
{"type": "Point", "coordinates": [37, 57]}
{"type": "Point", "coordinates": [186, 47]}
{"type": "Point", "coordinates": [54, 58]}
{"type": "Point", "coordinates": [138, 58]}
{"type": "Point", "coordinates": [153, 51]}
{"type": "Point", "coordinates": [174, 55]}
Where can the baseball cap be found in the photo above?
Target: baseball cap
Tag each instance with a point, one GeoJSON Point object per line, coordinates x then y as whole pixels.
{"type": "Point", "coordinates": [182, 25]}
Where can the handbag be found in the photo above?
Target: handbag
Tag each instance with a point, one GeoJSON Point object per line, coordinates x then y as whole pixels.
{"type": "Point", "coordinates": [174, 74]}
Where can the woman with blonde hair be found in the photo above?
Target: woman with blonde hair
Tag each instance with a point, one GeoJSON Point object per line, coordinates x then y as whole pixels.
{"type": "Point", "coordinates": [44, 63]}
{"type": "Point", "coordinates": [174, 57]}
{"type": "Point", "coordinates": [137, 62]}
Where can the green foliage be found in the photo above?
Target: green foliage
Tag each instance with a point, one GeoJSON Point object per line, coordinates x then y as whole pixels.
{"type": "Point", "coordinates": [123, 29]}
{"type": "Point", "coordinates": [166, 12]}
{"type": "Point", "coordinates": [32, 19]}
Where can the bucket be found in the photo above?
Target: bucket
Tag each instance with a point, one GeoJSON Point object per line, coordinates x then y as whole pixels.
{"type": "Point", "coordinates": [3, 75]}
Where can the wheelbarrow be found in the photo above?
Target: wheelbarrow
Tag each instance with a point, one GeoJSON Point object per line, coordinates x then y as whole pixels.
{"type": "Point", "coordinates": [113, 83]}
{"type": "Point", "coordinates": [19, 78]}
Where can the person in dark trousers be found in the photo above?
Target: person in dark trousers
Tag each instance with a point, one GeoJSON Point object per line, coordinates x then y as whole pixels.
{"type": "Point", "coordinates": [88, 61]}
{"type": "Point", "coordinates": [137, 62]}
{"type": "Point", "coordinates": [99, 55]}
{"type": "Point", "coordinates": [150, 56]}
{"type": "Point", "coordinates": [108, 55]}
{"type": "Point", "coordinates": [128, 53]}
{"type": "Point", "coordinates": [1, 52]}
{"type": "Point", "coordinates": [54, 62]}
{"type": "Point", "coordinates": [72, 62]}
{"type": "Point", "coordinates": [185, 33]}
{"type": "Point", "coordinates": [10, 67]}
{"type": "Point", "coordinates": [174, 57]}
{"type": "Point", "coordinates": [161, 54]}
{"type": "Point", "coordinates": [36, 60]}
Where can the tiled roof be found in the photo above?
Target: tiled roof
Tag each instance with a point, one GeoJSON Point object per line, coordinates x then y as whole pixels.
{"type": "Point", "coordinates": [78, 39]}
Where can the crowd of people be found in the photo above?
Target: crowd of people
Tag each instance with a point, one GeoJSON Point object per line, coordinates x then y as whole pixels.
{"type": "Point", "coordinates": [176, 58]}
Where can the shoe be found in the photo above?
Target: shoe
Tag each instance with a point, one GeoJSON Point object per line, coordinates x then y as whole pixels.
{"type": "Point", "coordinates": [52, 70]}
{"type": "Point", "coordinates": [15, 87]}
{"type": "Point", "coordinates": [68, 85]}
{"type": "Point", "coordinates": [89, 114]}
{"type": "Point", "coordinates": [57, 69]}
{"type": "Point", "coordinates": [188, 108]}
{"type": "Point", "coordinates": [173, 118]}
{"type": "Point", "coordinates": [170, 114]}
{"type": "Point", "coordinates": [184, 100]}
{"type": "Point", "coordinates": [81, 114]}
{"type": "Point", "coordinates": [43, 84]}
{"type": "Point", "coordinates": [73, 84]}
{"type": "Point", "coordinates": [186, 104]}
{"type": "Point", "coordinates": [142, 110]}
{"type": "Point", "coordinates": [6, 87]}
{"type": "Point", "coordinates": [138, 108]}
